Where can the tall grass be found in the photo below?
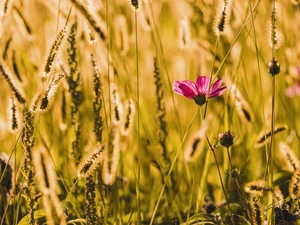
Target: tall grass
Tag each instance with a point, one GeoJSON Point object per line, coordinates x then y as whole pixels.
{"type": "Point", "coordinates": [91, 131]}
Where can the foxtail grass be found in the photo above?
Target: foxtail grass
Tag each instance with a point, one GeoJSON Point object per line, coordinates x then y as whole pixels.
{"type": "Point", "coordinates": [128, 120]}
{"type": "Point", "coordinates": [222, 17]}
{"type": "Point", "coordinates": [54, 51]}
{"type": "Point", "coordinates": [289, 156]}
{"type": "Point", "coordinates": [122, 37]}
{"type": "Point", "coordinates": [161, 112]}
{"type": "Point", "coordinates": [28, 142]}
{"type": "Point", "coordinates": [13, 85]}
{"type": "Point", "coordinates": [97, 102]}
{"type": "Point", "coordinates": [94, 22]}
{"type": "Point", "coordinates": [14, 113]}
{"type": "Point", "coordinates": [117, 107]}
{"type": "Point", "coordinates": [90, 162]}
{"type": "Point", "coordinates": [111, 157]}
{"type": "Point", "coordinates": [45, 98]}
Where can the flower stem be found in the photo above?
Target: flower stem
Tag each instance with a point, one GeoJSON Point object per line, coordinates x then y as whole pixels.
{"type": "Point", "coordinates": [237, 184]}
{"type": "Point", "coordinates": [171, 168]}
{"type": "Point", "coordinates": [220, 176]}
{"type": "Point", "coordinates": [212, 72]}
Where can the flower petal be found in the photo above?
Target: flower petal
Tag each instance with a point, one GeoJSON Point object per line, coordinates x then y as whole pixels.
{"type": "Point", "coordinates": [202, 85]}
{"type": "Point", "coordinates": [217, 92]}
{"type": "Point", "coordinates": [188, 89]}
{"type": "Point", "coordinates": [176, 88]}
{"type": "Point", "coordinates": [215, 86]}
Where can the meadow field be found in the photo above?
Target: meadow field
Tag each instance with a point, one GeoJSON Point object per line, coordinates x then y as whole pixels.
{"type": "Point", "coordinates": [149, 112]}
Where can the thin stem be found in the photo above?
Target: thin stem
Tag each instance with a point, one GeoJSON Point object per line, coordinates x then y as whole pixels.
{"type": "Point", "coordinates": [220, 176]}
{"type": "Point", "coordinates": [203, 181]}
{"type": "Point", "coordinates": [269, 166]}
{"type": "Point", "coordinates": [138, 122]}
{"type": "Point", "coordinates": [108, 62]}
{"type": "Point", "coordinates": [70, 193]}
{"type": "Point", "coordinates": [171, 168]}
{"type": "Point", "coordinates": [237, 184]}
{"type": "Point", "coordinates": [212, 72]}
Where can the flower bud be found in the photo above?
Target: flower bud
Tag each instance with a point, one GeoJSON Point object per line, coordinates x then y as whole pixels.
{"type": "Point", "coordinates": [274, 67]}
{"type": "Point", "coordinates": [226, 139]}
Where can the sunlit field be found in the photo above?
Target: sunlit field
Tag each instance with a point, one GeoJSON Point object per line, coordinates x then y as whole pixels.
{"type": "Point", "coordinates": [149, 112]}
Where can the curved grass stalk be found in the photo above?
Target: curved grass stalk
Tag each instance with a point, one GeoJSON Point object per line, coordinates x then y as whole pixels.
{"type": "Point", "coordinates": [171, 167]}
{"type": "Point", "coordinates": [139, 220]}
{"type": "Point", "coordinates": [220, 176]}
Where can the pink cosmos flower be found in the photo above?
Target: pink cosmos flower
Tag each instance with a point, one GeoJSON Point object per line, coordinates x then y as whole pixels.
{"type": "Point", "coordinates": [200, 90]}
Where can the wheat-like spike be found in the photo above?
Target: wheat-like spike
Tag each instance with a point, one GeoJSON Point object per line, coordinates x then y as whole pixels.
{"type": "Point", "coordinates": [289, 155]}
{"type": "Point", "coordinates": [28, 141]}
{"type": "Point", "coordinates": [16, 90]}
{"type": "Point", "coordinates": [222, 17]}
{"type": "Point", "coordinates": [145, 17]}
{"type": "Point", "coordinates": [63, 124]}
{"type": "Point", "coordinates": [241, 105]}
{"type": "Point", "coordinates": [97, 101]}
{"type": "Point", "coordinates": [112, 157]}
{"type": "Point", "coordinates": [134, 4]}
{"type": "Point", "coordinates": [279, 198]}
{"type": "Point", "coordinates": [14, 115]}
{"type": "Point", "coordinates": [257, 187]}
{"type": "Point", "coordinates": [93, 20]}
{"type": "Point", "coordinates": [23, 22]}
{"type": "Point", "coordinates": [41, 171]}
{"type": "Point", "coordinates": [161, 111]}
{"type": "Point", "coordinates": [196, 143]}
{"type": "Point", "coordinates": [257, 212]}
{"type": "Point", "coordinates": [54, 50]}
{"type": "Point", "coordinates": [274, 34]}
{"type": "Point", "coordinates": [90, 195]}
{"type": "Point", "coordinates": [45, 98]}
{"type": "Point", "coordinates": [5, 7]}
{"type": "Point", "coordinates": [264, 137]}
{"type": "Point", "coordinates": [90, 162]}
{"type": "Point", "coordinates": [184, 34]}
{"type": "Point", "coordinates": [116, 105]}
{"type": "Point", "coordinates": [128, 119]}
{"type": "Point", "coordinates": [7, 45]}
{"type": "Point", "coordinates": [122, 40]}
{"type": "Point", "coordinates": [294, 186]}
{"type": "Point", "coordinates": [15, 66]}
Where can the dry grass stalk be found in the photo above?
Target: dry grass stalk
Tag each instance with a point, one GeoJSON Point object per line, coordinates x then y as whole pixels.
{"type": "Point", "coordinates": [112, 157]}
{"type": "Point", "coordinates": [14, 115]}
{"type": "Point", "coordinates": [275, 36]}
{"type": "Point", "coordinates": [128, 119]}
{"type": "Point", "coordinates": [13, 85]}
{"type": "Point", "coordinates": [184, 34]}
{"type": "Point", "coordinates": [264, 137]}
{"type": "Point", "coordinates": [97, 102]}
{"type": "Point", "coordinates": [117, 107]}
{"type": "Point", "coordinates": [289, 156]}
{"type": "Point", "coordinates": [241, 105]}
{"type": "Point", "coordinates": [222, 17]}
{"type": "Point", "coordinates": [122, 39]}
{"type": "Point", "coordinates": [294, 186]}
{"type": "Point", "coordinates": [44, 100]}
{"type": "Point", "coordinates": [53, 51]}
{"type": "Point", "coordinates": [94, 22]}
{"type": "Point", "coordinates": [90, 162]}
